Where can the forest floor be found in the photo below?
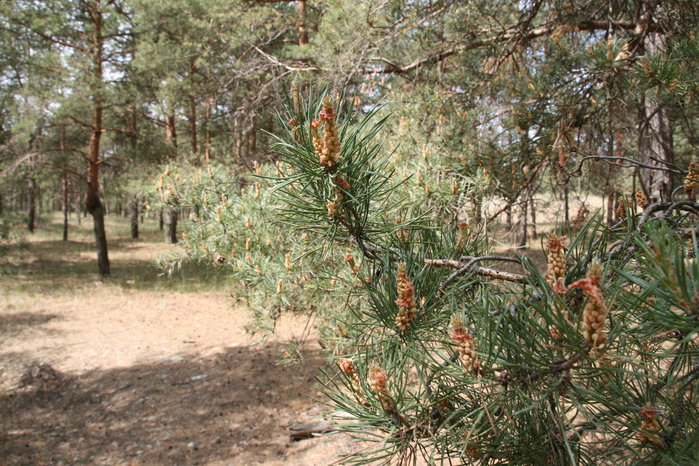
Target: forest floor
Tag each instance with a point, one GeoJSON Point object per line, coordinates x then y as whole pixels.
{"type": "Point", "coordinates": [140, 369]}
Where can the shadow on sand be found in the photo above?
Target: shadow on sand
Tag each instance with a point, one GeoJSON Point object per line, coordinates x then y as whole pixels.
{"type": "Point", "coordinates": [227, 408]}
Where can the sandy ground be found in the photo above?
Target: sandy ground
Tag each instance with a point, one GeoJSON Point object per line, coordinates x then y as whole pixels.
{"type": "Point", "coordinates": [113, 374]}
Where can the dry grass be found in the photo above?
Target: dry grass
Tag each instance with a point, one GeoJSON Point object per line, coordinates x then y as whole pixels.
{"type": "Point", "coordinates": [44, 263]}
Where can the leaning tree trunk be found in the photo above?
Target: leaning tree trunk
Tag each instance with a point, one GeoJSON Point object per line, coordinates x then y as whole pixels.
{"type": "Point", "coordinates": [171, 225]}
{"type": "Point", "coordinates": [133, 210]}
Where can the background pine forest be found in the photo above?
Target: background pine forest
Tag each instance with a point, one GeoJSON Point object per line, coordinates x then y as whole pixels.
{"type": "Point", "coordinates": [395, 168]}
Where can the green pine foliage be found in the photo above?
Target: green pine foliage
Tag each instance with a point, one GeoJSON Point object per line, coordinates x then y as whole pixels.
{"type": "Point", "coordinates": [446, 358]}
{"type": "Point", "coordinates": [236, 225]}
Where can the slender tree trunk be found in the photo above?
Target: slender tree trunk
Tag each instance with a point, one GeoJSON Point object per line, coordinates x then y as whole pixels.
{"type": "Point", "coordinates": [78, 208]}
{"type": "Point", "coordinates": [66, 207]}
{"type": "Point", "coordinates": [134, 207]}
{"type": "Point", "coordinates": [238, 138]}
{"type": "Point", "coordinates": [95, 208]}
{"type": "Point", "coordinates": [171, 131]}
{"type": "Point", "coordinates": [92, 200]}
{"type": "Point", "coordinates": [207, 133]}
{"type": "Point", "coordinates": [303, 33]}
{"type": "Point", "coordinates": [193, 129]}
{"type": "Point", "coordinates": [566, 208]}
{"type": "Point", "coordinates": [252, 140]}
{"type": "Point", "coordinates": [160, 220]}
{"type": "Point", "coordinates": [611, 200]}
{"type": "Point", "coordinates": [655, 147]}
{"type": "Point", "coordinates": [171, 225]}
{"type": "Point", "coordinates": [655, 138]}
{"type": "Point", "coordinates": [532, 207]}
{"type": "Point", "coordinates": [31, 204]}
{"type": "Point", "coordinates": [522, 237]}
{"type": "Point", "coordinates": [478, 210]}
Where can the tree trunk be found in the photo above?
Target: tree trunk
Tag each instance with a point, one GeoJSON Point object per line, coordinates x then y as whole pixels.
{"type": "Point", "coordinates": [655, 138]}
{"type": "Point", "coordinates": [171, 131]}
{"type": "Point", "coordinates": [238, 138]}
{"type": "Point", "coordinates": [655, 147]}
{"type": "Point", "coordinates": [134, 217]}
{"type": "Point", "coordinates": [207, 133]}
{"type": "Point", "coordinates": [97, 211]}
{"type": "Point", "coordinates": [522, 234]}
{"type": "Point", "coordinates": [611, 200]}
{"type": "Point", "coordinates": [193, 129]}
{"type": "Point", "coordinates": [252, 140]}
{"type": "Point", "coordinates": [160, 220]}
{"type": "Point", "coordinates": [478, 210]}
{"type": "Point", "coordinates": [78, 208]}
{"type": "Point", "coordinates": [303, 33]}
{"type": "Point", "coordinates": [171, 225]}
{"type": "Point", "coordinates": [532, 207]}
{"type": "Point", "coordinates": [566, 208]}
{"type": "Point", "coordinates": [92, 200]}
{"type": "Point", "coordinates": [66, 207]}
{"type": "Point", "coordinates": [31, 205]}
